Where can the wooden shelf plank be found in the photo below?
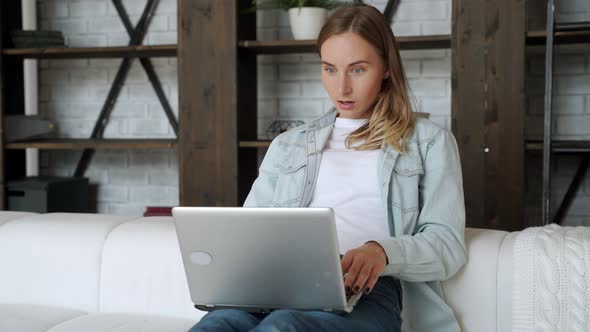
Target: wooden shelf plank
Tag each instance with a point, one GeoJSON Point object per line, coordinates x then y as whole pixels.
{"type": "Point", "coordinates": [103, 144]}
{"type": "Point", "coordinates": [93, 52]}
{"type": "Point", "coordinates": [559, 146]}
{"type": "Point", "coordinates": [308, 46]}
{"type": "Point", "coordinates": [254, 144]}
{"type": "Point", "coordinates": [538, 37]}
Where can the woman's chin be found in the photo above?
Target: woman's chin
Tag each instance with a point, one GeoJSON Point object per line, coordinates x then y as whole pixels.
{"type": "Point", "coordinates": [352, 114]}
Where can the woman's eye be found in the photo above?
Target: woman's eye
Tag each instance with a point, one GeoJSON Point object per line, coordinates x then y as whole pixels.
{"type": "Point", "coordinates": [358, 70]}
{"type": "Point", "coordinates": [330, 70]}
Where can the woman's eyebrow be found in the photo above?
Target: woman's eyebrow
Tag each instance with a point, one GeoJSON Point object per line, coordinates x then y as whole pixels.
{"type": "Point", "coordinates": [350, 65]}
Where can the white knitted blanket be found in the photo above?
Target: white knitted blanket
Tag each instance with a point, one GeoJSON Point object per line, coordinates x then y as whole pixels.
{"type": "Point", "coordinates": [552, 279]}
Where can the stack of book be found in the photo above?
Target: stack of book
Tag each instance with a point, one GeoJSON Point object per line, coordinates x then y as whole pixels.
{"type": "Point", "coordinates": [37, 38]}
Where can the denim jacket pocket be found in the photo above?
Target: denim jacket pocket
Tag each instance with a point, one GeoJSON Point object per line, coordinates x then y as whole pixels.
{"type": "Point", "coordinates": [289, 184]}
{"type": "Point", "coordinates": [405, 181]}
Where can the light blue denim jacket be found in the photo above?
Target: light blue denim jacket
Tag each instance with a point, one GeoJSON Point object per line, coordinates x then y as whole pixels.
{"type": "Point", "coordinates": [422, 192]}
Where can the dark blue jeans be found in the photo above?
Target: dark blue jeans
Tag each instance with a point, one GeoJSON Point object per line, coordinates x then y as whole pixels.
{"type": "Point", "coordinates": [378, 311]}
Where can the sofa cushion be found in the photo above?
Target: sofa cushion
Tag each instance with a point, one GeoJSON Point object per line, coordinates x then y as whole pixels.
{"type": "Point", "coordinates": [119, 322]}
{"type": "Point", "coordinates": [33, 318]}
{"type": "Point", "coordinates": [148, 245]}
{"type": "Point", "coordinates": [54, 259]}
{"type": "Point", "coordinates": [471, 292]}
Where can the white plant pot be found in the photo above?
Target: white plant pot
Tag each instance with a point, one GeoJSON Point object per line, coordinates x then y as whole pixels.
{"type": "Point", "coordinates": [306, 22]}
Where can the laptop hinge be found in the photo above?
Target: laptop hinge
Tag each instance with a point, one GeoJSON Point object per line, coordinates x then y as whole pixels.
{"type": "Point", "coordinates": [205, 306]}
{"type": "Point", "coordinates": [328, 310]}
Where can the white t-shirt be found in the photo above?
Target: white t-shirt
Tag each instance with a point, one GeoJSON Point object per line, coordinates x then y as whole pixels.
{"type": "Point", "coordinates": [347, 182]}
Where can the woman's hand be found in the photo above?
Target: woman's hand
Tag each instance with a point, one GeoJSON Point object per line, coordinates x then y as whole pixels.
{"type": "Point", "coordinates": [362, 267]}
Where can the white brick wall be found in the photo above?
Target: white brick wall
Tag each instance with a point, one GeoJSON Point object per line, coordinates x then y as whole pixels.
{"type": "Point", "coordinates": [73, 93]}
{"type": "Point", "coordinates": [571, 110]}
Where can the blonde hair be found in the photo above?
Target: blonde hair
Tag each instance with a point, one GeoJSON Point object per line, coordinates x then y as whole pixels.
{"type": "Point", "coordinates": [392, 119]}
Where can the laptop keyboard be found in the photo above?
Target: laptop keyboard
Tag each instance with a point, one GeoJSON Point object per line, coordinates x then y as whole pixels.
{"type": "Point", "coordinates": [353, 299]}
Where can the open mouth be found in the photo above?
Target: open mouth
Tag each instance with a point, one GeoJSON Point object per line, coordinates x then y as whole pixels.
{"type": "Point", "coordinates": [346, 105]}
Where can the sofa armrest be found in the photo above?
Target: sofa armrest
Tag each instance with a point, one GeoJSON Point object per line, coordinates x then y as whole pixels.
{"type": "Point", "coordinates": [472, 291]}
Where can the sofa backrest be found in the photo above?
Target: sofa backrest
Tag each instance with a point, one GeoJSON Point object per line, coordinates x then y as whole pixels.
{"type": "Point", "coordinates": [54, 259]}
{"type": "Point", "coordinates": [6, 216]}
{"type": "Point", "coordinates": [93, 263]}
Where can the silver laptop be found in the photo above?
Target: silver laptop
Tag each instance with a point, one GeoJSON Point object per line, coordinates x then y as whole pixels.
{"type": "Point", "coordinates": [262, 259]}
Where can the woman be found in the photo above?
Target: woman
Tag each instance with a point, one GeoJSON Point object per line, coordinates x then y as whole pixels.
{"type": "Point", "coordinates": [393, 180]}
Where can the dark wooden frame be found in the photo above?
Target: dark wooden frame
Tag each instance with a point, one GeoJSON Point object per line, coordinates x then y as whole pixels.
{"type": "Point", "coordinates": [208, 126]}
{"type": "Point", "coordinates": [488, 67]}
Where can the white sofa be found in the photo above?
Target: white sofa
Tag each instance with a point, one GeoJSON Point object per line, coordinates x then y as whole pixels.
{"type": "Point", "coordinates": [92, 272]}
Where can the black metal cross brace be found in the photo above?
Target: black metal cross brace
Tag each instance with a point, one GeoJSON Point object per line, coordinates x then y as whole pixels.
{"type": "Point", "coordinates": [572, 189]}
{"type": "Point", "coordinates": [136, 35]}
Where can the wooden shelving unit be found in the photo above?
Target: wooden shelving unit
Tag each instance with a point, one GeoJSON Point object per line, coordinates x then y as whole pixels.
{"type": "Point", "coordinates": [12, 97]}
{"type": "Point", "coordinates": [98, 144]}
{"type": "Point", "coordinates": [558, 33]}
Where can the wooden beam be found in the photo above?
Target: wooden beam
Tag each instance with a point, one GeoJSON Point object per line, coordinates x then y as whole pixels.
{"type": "Point", "coordinates": [208, 143]}
{"type": "Point", "coordinates": [488, 58]}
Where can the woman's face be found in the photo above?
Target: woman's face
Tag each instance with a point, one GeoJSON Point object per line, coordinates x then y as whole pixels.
{"type": "Point", "coordinates": [352, 74]}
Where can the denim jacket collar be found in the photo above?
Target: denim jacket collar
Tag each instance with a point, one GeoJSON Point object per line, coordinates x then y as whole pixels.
{"type": "Point", "coordinates": [317, 133]}
{"type": "Point", "coordinates": [327, 120]}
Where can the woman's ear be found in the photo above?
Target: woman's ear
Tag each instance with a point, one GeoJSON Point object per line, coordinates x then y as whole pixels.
{"type": "Point", "coordinates": [386, 75]}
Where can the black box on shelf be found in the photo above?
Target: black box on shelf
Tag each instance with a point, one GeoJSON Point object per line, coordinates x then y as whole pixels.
{"type": "Point", "coordinates": [44, 194]}
{"type": "Point", "coordinates": [37, 38]}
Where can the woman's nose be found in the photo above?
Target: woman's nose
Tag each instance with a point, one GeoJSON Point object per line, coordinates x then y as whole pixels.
{"type": "Point", "coordinates": [344, 85]}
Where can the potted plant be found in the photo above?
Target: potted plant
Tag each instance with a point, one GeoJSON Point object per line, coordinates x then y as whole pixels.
{"type": "Point", "coordinates": [306, 17]}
